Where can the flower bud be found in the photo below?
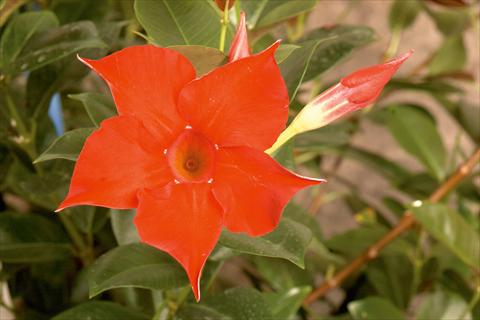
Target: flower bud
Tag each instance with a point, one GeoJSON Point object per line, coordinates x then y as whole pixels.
{"type": "Point", "coordinates": [353, 92]}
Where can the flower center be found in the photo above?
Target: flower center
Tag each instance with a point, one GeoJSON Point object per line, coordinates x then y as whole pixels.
{"type": "Point", "coordinates": [191, 157]}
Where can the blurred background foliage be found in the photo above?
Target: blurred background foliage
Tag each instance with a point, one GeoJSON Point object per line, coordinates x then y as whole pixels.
{"type": "Point", "coordinates": [86, 263]}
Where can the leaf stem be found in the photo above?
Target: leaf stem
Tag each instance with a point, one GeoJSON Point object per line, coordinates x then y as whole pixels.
{"type": "Point", "coordinates": [403, 225]}
{"type": "Point", "coordinates": [223, 31]}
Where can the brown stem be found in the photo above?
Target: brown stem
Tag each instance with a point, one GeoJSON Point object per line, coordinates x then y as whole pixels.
{"type": "Point", "coordinates": [403, 225]}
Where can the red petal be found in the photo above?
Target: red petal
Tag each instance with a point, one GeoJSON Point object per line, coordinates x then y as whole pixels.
{"type": "Point", "coordinates": [242, 103]}
{"type": "Point", "coordinates": [240, 48]}
{"type": "Point", "coordinates": [253, 189]}
{"type": "Point", "coordinates": [184, 220]}
{"type": "Point", "coordinates": [116, 160]}
{"type": "Point", "coordinates": [145, 82]}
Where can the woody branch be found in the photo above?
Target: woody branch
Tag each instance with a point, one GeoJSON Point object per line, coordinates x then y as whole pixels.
{"type": "Point", "coordinates": [403, 225]}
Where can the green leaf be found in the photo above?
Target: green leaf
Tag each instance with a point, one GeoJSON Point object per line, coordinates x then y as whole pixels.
{"type": "Point", "coordinates": [353, 242]}
{"type": "Point", "coordinates": [100, 310]}
{"type": "Point", "coordinates": [298, 214]}
{"type": "Point", "coordinates": [319, 51]}
{"type": "Point", "coordinates": [137, 265]}
{"type": "Point", "coordinates": [21, 30]}
{"type": "Point", "coordinates": [415, 131]}
{"type": "Point", "coordinates": [76, 10]}
{"type": "Point", "coordinates": [450, 21]}
{"type": "Point", "coordinates": [56, 44]}
{"type": "Point", "coordinates": [448, 227]}
{"type": "Point", "coordinates": [98, 106]}
{"type": "Point", "coordinates": [233, 304]}
{"type": "Point", "coordinates": [204, 59]}
{"type": "Point", "coordinates": [89, 219]}
{"type": "Point", "coordinates": [289, 241]}
{"type": "Point", "coordinates": [67, 146]}
{"type": "Point", "coordinates": [451, 56]}
{"type": "Point", "coordinates": [123, 227]}
{"type": "Point", "coordinates": [403, 14]}
{"type": "Point", "coordinates": [392, 278]}
{"type": "Point", "coordinates": [284, 51]}
{"type": "Point", "coordinates": [285, 304]}
{"type": "Point", "coordinates": [469, 119]}
{"type": "Point", "coordinates": [31, 238]}
{"type": "Point", "coordinates": [281, 274]}
{"type": "Point", "coordinates": [172, 22]}
{"type": "Point", "coordinates": [429, 85]}
{"type": "Point", "coordinates": [374, 308]}
{"type": "Point", "coordinates": [442, 305]}
{"type": "Point", "coordinates": [267, 12]}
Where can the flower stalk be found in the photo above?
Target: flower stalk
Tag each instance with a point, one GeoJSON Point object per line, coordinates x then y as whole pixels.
{"type": "Point", "coordinates": [223, 31]}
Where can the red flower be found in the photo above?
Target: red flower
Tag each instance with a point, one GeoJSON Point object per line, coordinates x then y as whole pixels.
{"type": "Point", "coordinates": [188, 152]}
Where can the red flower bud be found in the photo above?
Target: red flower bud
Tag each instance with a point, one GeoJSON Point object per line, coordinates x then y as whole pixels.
{"type": "Point", "coordinates": [240, 48]}
{"type": "Point", "coordinates": [353, 92]}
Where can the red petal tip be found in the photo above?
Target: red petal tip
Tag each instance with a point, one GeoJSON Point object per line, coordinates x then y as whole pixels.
{"type": "Point", "coordinates": [196, 290]}
{"type": "Point", "coordinates": [366, 84]}
{"type": "Point", "coordinates": [85, 61]}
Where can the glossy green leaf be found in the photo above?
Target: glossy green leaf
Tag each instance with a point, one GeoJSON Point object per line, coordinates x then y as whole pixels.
{"type": "Point", "coordinates": [123, 227]}
{"type": "Point", "coordinates": [56, 44]}
{"type": "Point", "coordinates": [403, 14]}
{"type": "Point", "coordinates": [320, 50]}
{"type": "Point", "coordinates": [172, 22]}
{"type": "Point", "coordinates": [31, 238]}
{"type": "Point", "coordinates": [415, 130]}
{"type": "Point", "coordinates": [448, 227]}
{"type": "Point", "coordinates": [98, 106]}
{"type": "Point", "coordinates": [392, 278]}
{"type": "Point", "coordinates": [289, 241]}
{"type": "Point", "coordinates": [67, 146]}
{"type": "Point", "coordinates": [21, 30]}
{"type": "Point", "coordinates": [267, 12]}
{"type": "Point", "coordinates": [233, 304]}
{"type": "Point", "coordinates": [285, 304]}
{"type": "Point", "coordinates": [442, 305]}
{"type": "Point", "coordinates": [374, 308]}
{"type": "Point", "coordinates": [100, 310]}
{"type": "Point", "coordinates": [137, 265]}
{"type": "Point", "coordinates": [451, 56]}
{"type": "Point", "coordinates": [204, 59]}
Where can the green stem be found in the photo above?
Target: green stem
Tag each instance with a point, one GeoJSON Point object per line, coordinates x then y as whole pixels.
{"type": "Point", "coordinates": [223, 31]}
{"type": "Point", "coordinates": [394, 43]}
{"type": "Point", "coordinates": [72, 231]}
